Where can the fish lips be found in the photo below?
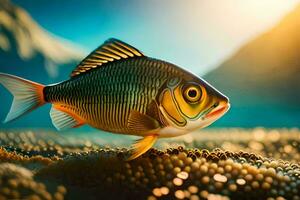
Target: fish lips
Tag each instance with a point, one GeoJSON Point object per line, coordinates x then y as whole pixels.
{"type": "Point", "coordinates": [220, 110]}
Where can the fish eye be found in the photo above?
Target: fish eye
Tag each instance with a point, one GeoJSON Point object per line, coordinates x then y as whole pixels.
{"type": "Point", "coordinates": [192, 94]}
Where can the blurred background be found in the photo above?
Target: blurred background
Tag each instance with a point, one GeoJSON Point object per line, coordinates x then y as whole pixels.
{"type": "Point", "coordinates": [249, 50]}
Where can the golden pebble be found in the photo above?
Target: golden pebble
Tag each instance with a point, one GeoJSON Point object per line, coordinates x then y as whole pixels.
{"type": "Point", "coordinates": [252, 170]}
{"type": "Point", "coordinates": [151, 198]}
{"type": "Point", "coordinates": [47, 195]}
{"type": "Point", "coordinates": [176, 170]}
{"type": "Point", "coordinates": [220, 178]}
{"type": "Point", "coordinates": [235, 172]}
{"type": "Point", "coordinates": [218, 185]}
{"type": "Point", "coordinates": [179, 163]}
{"type": "Point", "coordinates": [217, 196]}
{"type": "Point", "coordinates": [228, 168]}
{"type": "Point", "coordinates": [164, 190]}
{"type": "Point", "coordinates": [182, 155]}
{"type": "Point", "coordinates": [195, 166]}
{"type": "Point", "coordinates": [229, 162]}
{"type": "Point", "coordinates": [220, 170]}
{"type": "Point", "coordinates": [248, 177]}
{"type": "Point", "coordinates": [273, 164]}
{"type": "Point", "coordinates": [255, 185]}
{"type": "Point", "coordinates": [203, 169]}
{"type": "Point", "coordinates": [204, 194]}
{"type": "Point", "coordinates": [183, 175]}
{"type": "Point", "coordinates": [177, 181]}
{"type": "Point", "coordinates": [194, 197]}
{"type": "Point", "coordinates": [13, 183]}
{"type": "Point", "coordinates": [179, 194]}
{"type": "Point", "coordinates": [259, 177]}
{"type": "Point", "coordinates": [286, 178]}
{"type": "Point", "coordinates": [237, 166]}
{"type": "Point", "coordinates": [266, 186]}
{"type": "Point", "coordinates": [221, 163]}
{"type": "Point", "coordinates": [193, 189]}
{"type": "Point", "coordinates": [188, 161]}
{"type": "Point", "coordinates": [271, 172]}
{"type": "Point", "coordinates": [211, 171]}
{"type": "Point", "coordinates": [205, 179]}
{"type": "Point", "coordinates": [240, 181]}
{"type": "Point", "coordinates": [62, 189]}
{"type": "Point", "coordinates": [187, 194]}
{"type": "Point", "coordinates": [244, 172]}
{"type": "Point", "coordinates": [138, 174]}
{"type": "Point", "coordinates": [35, 197]}
{"type": "Point", "coordinates": [280, 198]}
{"type": "Point", "coordinates": [187, 169]}
{"type": "Point", "coordinates": [157, 192]}
{"type": "Point", "coordinates": [269, 179]}
{"type": "Point", "coordinates": [263, 170]}
{"type": "Point", "coordinates": [232, 187]}
{"type": "Point", "coordinates": [214, 166]}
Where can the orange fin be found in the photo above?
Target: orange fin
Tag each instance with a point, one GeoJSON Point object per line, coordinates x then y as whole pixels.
{"type": "Point", "coordinates": [63, 117]}
{"type": "Point", "coordinates": [28, 95]}
{"type": "Point", "coordinates": [141, 123]}
{"type": "Point", "coordinates": [143, 145]}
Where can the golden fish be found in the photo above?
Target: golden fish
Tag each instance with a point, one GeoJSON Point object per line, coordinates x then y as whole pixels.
{"type": "Point", "coordinates": [118, 89]}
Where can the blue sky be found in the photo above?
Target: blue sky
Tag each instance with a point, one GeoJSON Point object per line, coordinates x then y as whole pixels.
{"type": "Point", "coordinates": [194, 34]}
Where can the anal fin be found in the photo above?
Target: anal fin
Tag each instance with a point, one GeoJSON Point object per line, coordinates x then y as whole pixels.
{"type": "Point", "coordinates": [64, 117]}
{"type": "Point", "coordinates": [143, 145]}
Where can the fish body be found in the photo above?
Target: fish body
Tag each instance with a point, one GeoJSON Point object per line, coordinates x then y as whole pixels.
{"type": "Point", "coordinates": [118, 89]}
{"type": "Point", "coordinates": [105, 97]}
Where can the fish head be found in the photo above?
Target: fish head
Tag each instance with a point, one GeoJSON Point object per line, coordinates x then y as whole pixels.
{"type": "Point", "coordinates": [191, 103]}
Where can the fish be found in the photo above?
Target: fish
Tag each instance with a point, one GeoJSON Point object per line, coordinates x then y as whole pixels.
{"type": "Point", "coordinates": [119, 89]}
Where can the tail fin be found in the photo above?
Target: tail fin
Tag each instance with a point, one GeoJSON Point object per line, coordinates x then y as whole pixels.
{"type": "Point", "coordinates": [28, 95]}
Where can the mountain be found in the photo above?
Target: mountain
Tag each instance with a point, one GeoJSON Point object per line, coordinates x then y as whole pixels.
{"type": "Point", "coordinates": [262, 79]}
{"type": "Point", "coordinates": [29, 51]}
{"type": "Point", "coordinates": [23, 44]}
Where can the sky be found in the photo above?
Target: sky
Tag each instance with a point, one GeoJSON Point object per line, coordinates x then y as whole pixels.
{"type": "Point", "coordinates": [195, 34]}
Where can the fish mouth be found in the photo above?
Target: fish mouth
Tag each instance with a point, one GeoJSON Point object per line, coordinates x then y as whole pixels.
{"type": "Point", "coordinates": [218, 110]}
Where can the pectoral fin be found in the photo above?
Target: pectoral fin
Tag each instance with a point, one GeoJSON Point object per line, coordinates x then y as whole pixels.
{"type": "Point", "coordinates": [141, 123]}
{"type": "Point", "coordinates": [143, 145]}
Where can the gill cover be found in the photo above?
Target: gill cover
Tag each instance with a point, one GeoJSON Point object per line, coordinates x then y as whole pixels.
{"type": "Point", "coordinates": [170, 110]}
{"type": "Point", "coordinates": [168, 105]}
{"type": "Point", "coordinates": [181, 101]}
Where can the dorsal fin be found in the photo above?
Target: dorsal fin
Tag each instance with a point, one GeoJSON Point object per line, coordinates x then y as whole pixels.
{"type": "Point", "coordinates": [111, 50]}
